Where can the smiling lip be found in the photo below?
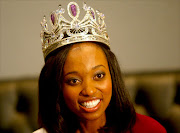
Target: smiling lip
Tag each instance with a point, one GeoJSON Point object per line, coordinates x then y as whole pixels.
{"type": "Point", "coordinates": [93, 109]}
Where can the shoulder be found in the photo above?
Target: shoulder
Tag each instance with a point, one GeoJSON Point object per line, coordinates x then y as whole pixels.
{"type": "Point", "coordinates": [41, 130]}
{"type": "Point", "coordinates": [147, 124]}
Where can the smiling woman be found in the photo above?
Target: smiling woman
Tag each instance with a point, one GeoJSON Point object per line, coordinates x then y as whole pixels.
{"type": "Point", "coordinates": [79, 92]}
{"type": "Point", "coordinates": [87, 86]}
{"type": "Point", "coordinates": [80, 86]}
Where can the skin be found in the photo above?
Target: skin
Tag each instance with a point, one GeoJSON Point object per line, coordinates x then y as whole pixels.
{"type": "Point", "coordinates": [86, 78]}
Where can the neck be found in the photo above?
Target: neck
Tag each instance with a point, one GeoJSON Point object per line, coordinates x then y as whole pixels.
{"type": "Point", "coordinates": [92, 126]}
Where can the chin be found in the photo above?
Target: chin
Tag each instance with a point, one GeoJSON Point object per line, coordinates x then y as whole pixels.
{"type": "Point", "coordinates": [92, 116]}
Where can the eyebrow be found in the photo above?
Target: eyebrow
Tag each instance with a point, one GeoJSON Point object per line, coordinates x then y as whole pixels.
{"type": "Point", "coordinates": [98, 66]}
{"type": "Point", "coordinates": [75, 72]}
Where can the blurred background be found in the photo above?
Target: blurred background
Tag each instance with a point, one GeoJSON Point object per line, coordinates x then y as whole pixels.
{"type": "Point", "coordinates": [144, 35]}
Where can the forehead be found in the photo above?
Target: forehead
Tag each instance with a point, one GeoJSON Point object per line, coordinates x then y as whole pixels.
{"type": "Point", "coordinates": [85, 54]}
{"type": "Point", "coordinates": [85, 46]}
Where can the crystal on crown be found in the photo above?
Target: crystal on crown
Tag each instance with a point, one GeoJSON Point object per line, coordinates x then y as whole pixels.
{"type": "Point", "coordinates": [66, 32]}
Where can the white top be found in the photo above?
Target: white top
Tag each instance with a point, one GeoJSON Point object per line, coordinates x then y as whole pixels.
{"type": "Point", "coordinates": [41, 130]}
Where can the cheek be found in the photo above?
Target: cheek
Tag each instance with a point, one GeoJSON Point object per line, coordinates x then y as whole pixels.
{"type": "Point", "coordinates": [70, 97]}
{"type": "Point", "coordinates": [108, 91]}
{"type": "Point", "coordinates": [106, 88]}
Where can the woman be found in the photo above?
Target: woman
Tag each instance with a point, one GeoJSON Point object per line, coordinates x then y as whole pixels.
{"type": "Point", "coordinates": [80, 86]}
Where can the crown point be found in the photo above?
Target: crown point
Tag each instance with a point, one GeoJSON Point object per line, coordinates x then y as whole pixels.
{"type": "Point", "coordinates": [101, 15]}
{"type": "Point", "coordinates": [84, 6]}
{"type": "Point", "coordinates": [60, 10]}
{"type": "Point", "coordinates": [73, 10]}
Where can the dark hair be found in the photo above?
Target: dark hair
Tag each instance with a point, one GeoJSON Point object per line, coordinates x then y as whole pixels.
{"type": "Point", "coordinates": [54, 115]}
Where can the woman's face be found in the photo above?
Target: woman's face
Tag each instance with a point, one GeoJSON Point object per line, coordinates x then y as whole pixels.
{"type": "Point", "coordinates": [87, 86]}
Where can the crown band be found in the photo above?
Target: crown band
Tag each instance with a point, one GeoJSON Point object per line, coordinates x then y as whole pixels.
{"type": "Point", "coordinates": [66, 32]}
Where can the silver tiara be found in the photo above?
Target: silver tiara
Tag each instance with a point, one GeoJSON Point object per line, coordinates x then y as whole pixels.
{"type": "Point", "coordinates": [66, 32]}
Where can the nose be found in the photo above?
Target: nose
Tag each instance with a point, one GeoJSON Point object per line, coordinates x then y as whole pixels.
{"type": "Point", "coordinates": [88, 89]}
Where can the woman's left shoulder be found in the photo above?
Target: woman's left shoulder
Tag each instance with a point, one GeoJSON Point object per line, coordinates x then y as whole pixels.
{"type": "Point", "coordinates": [147, 124]}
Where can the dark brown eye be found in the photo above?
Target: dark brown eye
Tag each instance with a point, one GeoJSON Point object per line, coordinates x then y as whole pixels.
{"type": "Point", "coordinates": [73, 81]}
{"type": "Point", "coordinates": [99, 76]}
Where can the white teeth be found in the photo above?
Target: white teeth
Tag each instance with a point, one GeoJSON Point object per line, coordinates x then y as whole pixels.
{"type": "Point", "coordinates": [90, 104]}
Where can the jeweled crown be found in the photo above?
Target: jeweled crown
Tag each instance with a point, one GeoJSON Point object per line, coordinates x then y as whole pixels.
{"type": "Point", "coordinates": [66, 32]}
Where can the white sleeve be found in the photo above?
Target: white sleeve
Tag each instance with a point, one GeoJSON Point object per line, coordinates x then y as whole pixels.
{"type": "Point", "coordinates": [41, 130]}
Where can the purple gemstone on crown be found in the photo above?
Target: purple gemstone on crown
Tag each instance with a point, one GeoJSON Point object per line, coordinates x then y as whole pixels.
{"type": "Point", "coordinates": [93, 14]}
{"type": "Point", "coordinates": [53, 18]}
{"type": "Point", "coordinates": [73, 10]}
